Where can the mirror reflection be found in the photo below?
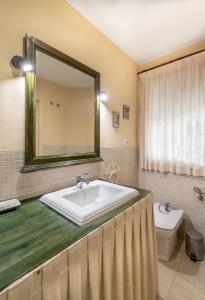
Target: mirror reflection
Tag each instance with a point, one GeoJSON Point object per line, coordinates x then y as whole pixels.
{"type": "Point", "coordinates": [65, 108]}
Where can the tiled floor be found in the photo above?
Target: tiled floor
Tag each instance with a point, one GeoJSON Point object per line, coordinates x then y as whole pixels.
{"type": "Point", "coordinates": [180, 278]}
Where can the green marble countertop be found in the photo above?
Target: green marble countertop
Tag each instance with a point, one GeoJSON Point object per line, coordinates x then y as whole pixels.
{"type": "Point", "coordinates": [33, 233]}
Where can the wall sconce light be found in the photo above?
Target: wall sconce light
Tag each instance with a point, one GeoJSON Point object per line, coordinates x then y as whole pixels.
{"type": "Point", "coordinates": [103, 96]}
{"type": "Point", "coordinates": [19, 64]}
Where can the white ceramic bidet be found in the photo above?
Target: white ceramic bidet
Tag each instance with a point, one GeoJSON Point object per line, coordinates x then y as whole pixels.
{"type": "Point", "coordinates": [167, 222]}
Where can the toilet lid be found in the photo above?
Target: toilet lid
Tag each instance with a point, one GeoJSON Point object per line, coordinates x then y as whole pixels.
{"type": "Point", "coordinates": [167, 221]}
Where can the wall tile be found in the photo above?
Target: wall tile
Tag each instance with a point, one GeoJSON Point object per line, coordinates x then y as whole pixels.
{"type": "Point", "coordinates": [15, 184]}
{"type": "Point", "coordinates": [178, 190]}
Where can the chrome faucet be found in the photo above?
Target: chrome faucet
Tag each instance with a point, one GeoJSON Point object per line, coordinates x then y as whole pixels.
{"type": "Point", "coordinates": [81, 180]}
{"type": "Point", "coordinates": [167, 207]}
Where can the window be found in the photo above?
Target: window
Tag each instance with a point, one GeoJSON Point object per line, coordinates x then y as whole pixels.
{"type": "Point", "coordinates": [172, 129]}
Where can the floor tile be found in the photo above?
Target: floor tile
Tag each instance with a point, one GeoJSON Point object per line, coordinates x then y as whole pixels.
{"type": "Point", "coordinates": [184, 290]}
{"type": "Point", "coordinates": [167, 270]}
{"type": "Point", "coordinates": [166, 277]}
{"type": "Point", "coordinates": [180, 278]}
{"type": "Point", "coordinates": [193, 272]}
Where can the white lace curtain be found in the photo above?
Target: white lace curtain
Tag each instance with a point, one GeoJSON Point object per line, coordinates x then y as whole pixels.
{"type": "Point", "coordinates": [172, 117]}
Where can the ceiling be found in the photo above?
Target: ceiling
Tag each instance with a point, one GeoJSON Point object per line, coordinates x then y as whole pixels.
{"type": "Point", "coordinates": [53, 70]}
{"type": "Point", "coordinates": [146, 29]}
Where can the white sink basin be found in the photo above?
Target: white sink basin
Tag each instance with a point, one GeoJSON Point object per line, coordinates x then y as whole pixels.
{"type": "Point", "coordinates": [84, 205]}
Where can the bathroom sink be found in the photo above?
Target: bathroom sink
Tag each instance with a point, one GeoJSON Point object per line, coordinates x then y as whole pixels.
{"type": "Point", "coordinates": [84, 205]}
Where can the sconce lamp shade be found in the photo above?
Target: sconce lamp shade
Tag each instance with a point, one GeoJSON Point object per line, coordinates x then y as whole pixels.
{"type": "Point", "coordinates": [19, 64]}
{"type": "Point", "coordinates": [103, 96]}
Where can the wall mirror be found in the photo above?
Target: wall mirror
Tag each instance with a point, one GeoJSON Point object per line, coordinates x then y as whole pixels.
{"type": "Point", "coordinates": [62, 109]}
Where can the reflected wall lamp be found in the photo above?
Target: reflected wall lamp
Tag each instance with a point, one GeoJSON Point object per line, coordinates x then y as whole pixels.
{"type": "Point", "coordinates": [103, 96]}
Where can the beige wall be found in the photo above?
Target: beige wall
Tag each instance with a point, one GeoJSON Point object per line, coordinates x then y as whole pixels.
{"type": "Point", "coordinates": [52, 120]}
{"type": "Point", "coordinates": [59, 25]}
{"type": "Point", "coordinates": [183, 51]}
{"type": "Point", "coordinates": [70, 123]}
{"type": "Point", "coordinates": [81, 121]}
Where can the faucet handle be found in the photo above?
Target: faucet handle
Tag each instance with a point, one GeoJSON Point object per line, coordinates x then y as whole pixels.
{"type": "Point", "coordinates": [80, 176]}
{"type": "Point", "coordinates": [168, 207]}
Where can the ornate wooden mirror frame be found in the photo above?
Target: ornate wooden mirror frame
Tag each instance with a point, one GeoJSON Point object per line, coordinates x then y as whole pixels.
{"type": "Point", "coordinates": [33, 162]}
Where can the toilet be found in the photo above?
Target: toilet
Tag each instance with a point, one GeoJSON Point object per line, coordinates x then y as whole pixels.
{"type": "Point", "coordinates": [167, 222]}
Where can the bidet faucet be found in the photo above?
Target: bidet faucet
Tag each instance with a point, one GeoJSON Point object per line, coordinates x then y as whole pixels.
{"type": "Point", "coordinates": [81, 180]}
{"type": "Point", "coordinates": [167, 207]}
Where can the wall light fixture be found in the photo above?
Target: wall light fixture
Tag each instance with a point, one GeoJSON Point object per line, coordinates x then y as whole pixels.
{"type": "Point", "coordinates": [103, 96]}
{"type": "Point", "coordinates": [19, 64]}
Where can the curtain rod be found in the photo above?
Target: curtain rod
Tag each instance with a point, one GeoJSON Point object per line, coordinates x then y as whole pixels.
{"type": "Point", "coordinates": [171, 61]}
